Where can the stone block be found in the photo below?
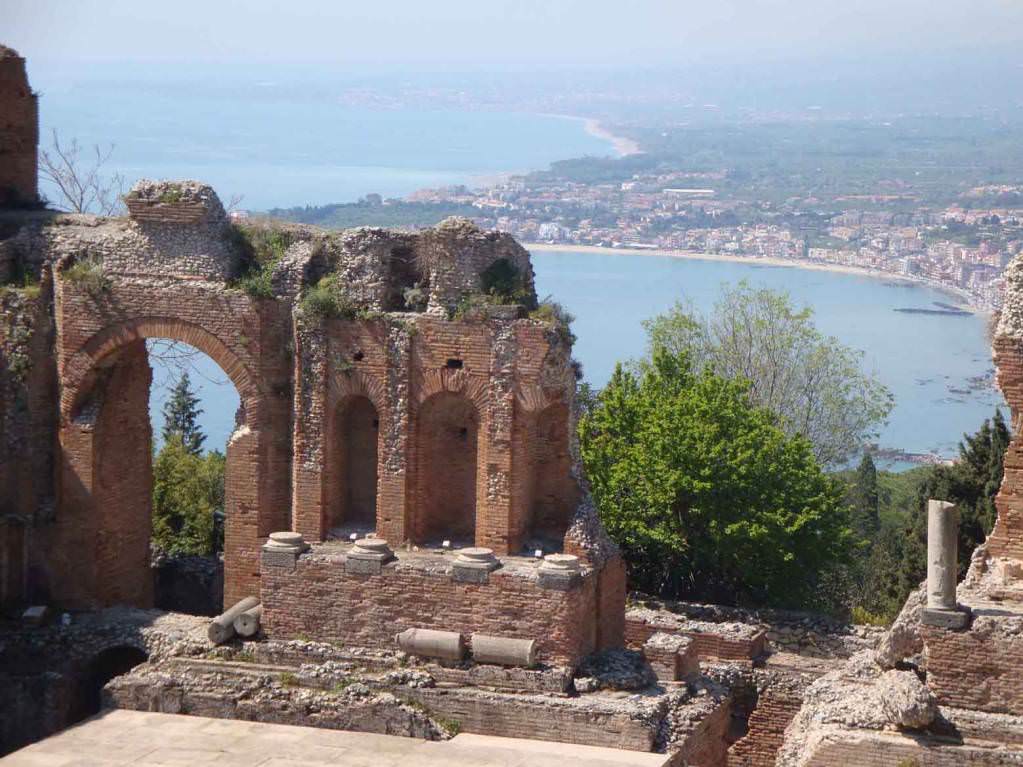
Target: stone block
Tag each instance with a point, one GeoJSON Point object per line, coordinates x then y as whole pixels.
{"type": "Point", "coordinates": [560, 572]}
{"type": "Point", "coordinates": [947, 619]}
{"type": "Point", "coordinates": [368, 556]}
{"type": "Point", "coordinates": [474, 565]}
{"type": "Point", "coordinates": [36, 615]}
{"type": "Point", "coordinates": [671, 656]}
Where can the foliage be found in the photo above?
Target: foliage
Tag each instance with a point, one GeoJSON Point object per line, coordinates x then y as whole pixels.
{"type": "Point", "coordinates": [87, 272]}
{"type": "Point", "coordinates": [416, 298]}
{"type": "Point", "coordinates": [181, 416]}
{"type": "Point", "coordinates": [327, 299]}
{"type": "Point", "coordinates": [393, 213]}
{"type": "Point", "coordinates": [865, 500]}
{"type": "Point", "coordinates": [187, 490]}
{"type": "Point", "coordinates": [263, 246]}
{"type": "Point", "coordinates": [894, 563]}
{"type": "Point", "coordinates": [503, 283]}
{"type": "Point", "coordinates": [812, 382]}
{"type": "Point", "coordinates": [557, 317]}
{"type": "Point", "coordinates": [708, 498]}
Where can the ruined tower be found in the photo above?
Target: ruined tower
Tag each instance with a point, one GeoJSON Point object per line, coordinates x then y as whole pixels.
{"type": "Point", "coordinates": [19, 132]}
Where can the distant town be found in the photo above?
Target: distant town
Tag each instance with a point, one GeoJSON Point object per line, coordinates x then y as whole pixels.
{"type": "Point", "coordinates": [868, 195]}
{"type": "Point", "coordinates": [677, 212]}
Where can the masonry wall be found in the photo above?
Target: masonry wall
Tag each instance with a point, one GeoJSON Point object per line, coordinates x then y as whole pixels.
{"type": "Point", "coordinates": [19, 132]}
{"type": "Point", "coordinates": [980, 669]}
{"type": "Point", "coordinates": [320, 599]}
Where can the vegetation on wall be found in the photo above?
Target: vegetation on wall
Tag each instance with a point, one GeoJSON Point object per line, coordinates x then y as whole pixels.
{"type": "Point", "coordinates": [87, 273]}
{"type": "Point", "coordinates": [263, 245]}
{"type": "Point", "coordinates": [327, 298]}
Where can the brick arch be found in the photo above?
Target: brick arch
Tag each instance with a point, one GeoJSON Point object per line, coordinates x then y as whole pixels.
{"type": "Point", "coordinates": [449, 447]}
{"type": "Point", "coordinates": [532, 398]}
{"type": "Point", "coordinates": [440, 380]}
{"type": "Point", "coordinates": [80, 374]}
{"type": "Point", "coordinates": [356, 383]}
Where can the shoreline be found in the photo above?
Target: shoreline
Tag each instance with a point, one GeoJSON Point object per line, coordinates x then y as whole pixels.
{"type": "Point", "coordinates": [622, 145]}
{"type": "Point", "coordinates": [960, 295]}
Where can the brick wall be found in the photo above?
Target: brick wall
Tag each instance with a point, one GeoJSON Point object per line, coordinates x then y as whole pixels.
{"type": "Point", "coordinates": [776, 708]}
{"type": "Point", "coordinates": [1006, 540]}
{"type": "Point", "coordinates": [709, 643]}
{"type": "Point", "coordinates": [318, 598]}
{"type": "Point", "coordinates": [19, 131]}
{"type": "Point", "coordinates": [979, 668]}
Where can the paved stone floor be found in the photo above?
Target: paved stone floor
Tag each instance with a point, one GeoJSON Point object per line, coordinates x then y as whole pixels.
{"type": "Point", "coordinates": [119, 737]}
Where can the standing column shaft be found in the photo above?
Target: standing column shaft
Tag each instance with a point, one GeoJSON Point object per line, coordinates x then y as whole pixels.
{"type": "Point", "coordinates": [942, 554]}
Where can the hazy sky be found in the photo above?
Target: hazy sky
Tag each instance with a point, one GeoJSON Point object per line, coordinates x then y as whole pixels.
{"type": "Point", "coordinates": [504, 33]}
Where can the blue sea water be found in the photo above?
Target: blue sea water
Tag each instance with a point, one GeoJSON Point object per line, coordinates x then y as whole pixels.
{"type": "Point", "coordinates": [287, 143]}
{"type": "Point", "coordinates": [292, 142]}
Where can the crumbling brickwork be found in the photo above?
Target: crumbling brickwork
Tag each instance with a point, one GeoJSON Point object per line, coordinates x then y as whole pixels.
{"type": "Point", "coordinates": [417, 422]}
{"type": "Point", "coordinates": [19, 132]}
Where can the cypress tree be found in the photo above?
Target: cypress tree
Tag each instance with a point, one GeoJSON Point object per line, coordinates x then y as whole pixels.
{"type": "Point", "coordinates": [865, 497]}
{"type": "Point", "coordinates": [181, 415]}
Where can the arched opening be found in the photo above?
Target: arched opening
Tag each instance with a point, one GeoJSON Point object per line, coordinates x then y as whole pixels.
{"type": "Point", "coordinates": [554, 493]}
{"type": "Point", "coordinates": [152, 468]}
{"type": "Point", "coordinates": [352, 495]}
{"type": "Point", "coordinates": [110, 663]}
{"type": "Point", "coordinates": [447, 438]}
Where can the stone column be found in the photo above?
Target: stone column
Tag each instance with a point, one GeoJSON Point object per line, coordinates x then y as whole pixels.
{"type": "Point", "coordinates": [942, 566]}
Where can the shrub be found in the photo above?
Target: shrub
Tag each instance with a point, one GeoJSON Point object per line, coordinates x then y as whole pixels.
{"type": "Point", "coordinates": [502, 283]}
{"type": "Point", "coordinates": [263, 246]}
{"type": "Point", "coordinates": [326, 299]}
{"type": "Point", "coordinates": [87, 273]}
{"type": "Point", "coordinates": [556, 317]}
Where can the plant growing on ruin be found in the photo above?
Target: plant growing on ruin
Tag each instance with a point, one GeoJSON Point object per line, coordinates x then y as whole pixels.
{"type": "Point", "coordinates": [288, 679]}
{"type": "Point", "coordinates": [415, 298]}
{"type": "Point", "coordinates": [263, 246]}
{"type": "Point", "coordinates": [327, 299]}
{"type": "Point", "coordinates": [87, 273]}
{"type": "Point", "coordinates": [705, 493]}
{"type": "Point", "coordinates": [557, 318]}
{"type": "Point", "coordinates": [815, 384]}
{"type": "Point", "coordinates": [502, 283]}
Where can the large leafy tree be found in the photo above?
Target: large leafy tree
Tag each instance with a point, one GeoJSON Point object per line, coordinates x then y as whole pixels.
{"type": "Point", "coordinates": [187, 490]}
{"type": "Point", "coordinates": [181, 416]}
{"type": "Point", "coordinates": [815, 384]}
{"type": "Point", "coordinates": [707, 496]}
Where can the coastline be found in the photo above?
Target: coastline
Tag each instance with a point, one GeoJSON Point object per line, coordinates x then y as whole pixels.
{"type": "Point", "coordinates": [960, 295]}
{"type": "Point", "coordinates": [622, 145]}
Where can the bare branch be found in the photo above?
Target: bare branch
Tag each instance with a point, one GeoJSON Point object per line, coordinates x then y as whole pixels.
{"type": "Point", "coordinates": [82, 185]}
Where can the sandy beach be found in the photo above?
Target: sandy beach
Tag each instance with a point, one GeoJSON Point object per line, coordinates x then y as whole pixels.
{"type": "Point", "coordinates": [962, 297]}
{"type": "Point", "coordinates": [622, 145]}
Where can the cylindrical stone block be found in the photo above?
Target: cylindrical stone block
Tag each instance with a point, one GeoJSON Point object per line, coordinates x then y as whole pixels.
{"type": "Point", "coordinates": [942, 554]}
{"type": "Point", "coordinates": [222, 627]}
{"type": "Point", "coordinates": [247, 623]}
{"type": "Point", "coordinates": [430, 643]}
{"type": "Point", "coordinates": [504, 651]}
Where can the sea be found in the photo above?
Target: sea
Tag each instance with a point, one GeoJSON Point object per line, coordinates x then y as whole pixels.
{"type": "Point", "coordinates": [283, 143]}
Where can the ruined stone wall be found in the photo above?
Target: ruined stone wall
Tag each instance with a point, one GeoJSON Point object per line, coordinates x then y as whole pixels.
{"type": "Point", "coordinates": [19, 132]}
{"type": "Point", "coordinates": [319, 598]}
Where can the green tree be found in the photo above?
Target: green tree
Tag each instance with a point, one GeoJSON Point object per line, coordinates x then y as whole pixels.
{"type": "Point", "coordinates": [181, 416]}
{"type": "Point", "coordinates": [897, 563]}
{"type": "Point", "coordinates": [865, 500]}
{"type": "Point", "coordinates": [187, 490]}
{"type": "Point", "coordinates": [815, 384]}
{"type": "Point", "coordinates": [706, 495]}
